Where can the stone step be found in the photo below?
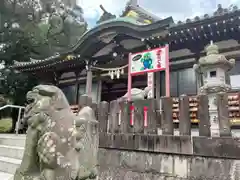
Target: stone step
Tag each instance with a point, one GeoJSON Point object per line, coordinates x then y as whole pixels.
{"type": "Point", "coordinates": [6, 176]}
{"type": "Point", "coordinates": [11, 151]}
{"type": "Point", "coordinates": [12, 140]}
{"type": "Point", "coordinates": [9, 165]}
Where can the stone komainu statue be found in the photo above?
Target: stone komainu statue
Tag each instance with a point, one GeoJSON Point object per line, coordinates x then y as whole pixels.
{"type": "Point", "coordinates": [59, 145]}
{"type": "Point", "coordinates": [136, 94]}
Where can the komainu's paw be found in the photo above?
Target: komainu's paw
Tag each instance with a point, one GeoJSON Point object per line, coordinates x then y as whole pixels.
{"type": "Point", "coordinates": [46, 149]}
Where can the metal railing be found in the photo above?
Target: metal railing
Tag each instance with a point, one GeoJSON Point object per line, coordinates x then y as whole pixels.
{"type": "Point", "coordinates": [21, 108]}
{"type": "Point", "coordinates": [19, 114]}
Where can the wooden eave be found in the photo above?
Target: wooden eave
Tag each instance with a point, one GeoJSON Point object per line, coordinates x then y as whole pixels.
{"type": "Point", "coordinates": [200, 30]}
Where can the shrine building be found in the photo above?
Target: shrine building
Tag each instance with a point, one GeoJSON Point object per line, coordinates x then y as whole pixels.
{"type": "Point", "coordinates": [98, 62]}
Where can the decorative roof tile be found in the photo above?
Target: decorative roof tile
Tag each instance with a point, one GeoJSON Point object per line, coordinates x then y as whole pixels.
{"type": "Point", "coordinates": [219, 12]}
{"type": "Point", "coordinates": [133, 5]}
{"type": "Point", "coordinates": [123, 19]}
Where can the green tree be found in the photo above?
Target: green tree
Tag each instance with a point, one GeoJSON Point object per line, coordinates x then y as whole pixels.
{"type": "Point", "coordinates": [33, 29]}
{"type": "Point", "coordinates": [14, 46]}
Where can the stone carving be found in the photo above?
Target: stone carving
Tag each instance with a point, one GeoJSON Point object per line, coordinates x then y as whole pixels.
{"type": "Point", "coordinates": [59, 145]}
{"type": "Point", "coordinates": [136, 94]}
{"type": "Point", "coordinates": [87, 140]}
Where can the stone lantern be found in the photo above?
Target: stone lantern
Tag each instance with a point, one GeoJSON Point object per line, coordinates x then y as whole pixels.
{"type": "Point", "coordinates": [212, 69]}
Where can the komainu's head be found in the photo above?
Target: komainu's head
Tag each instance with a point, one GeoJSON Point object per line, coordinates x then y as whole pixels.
{"type": "Point", "coordinates": [43, 98]}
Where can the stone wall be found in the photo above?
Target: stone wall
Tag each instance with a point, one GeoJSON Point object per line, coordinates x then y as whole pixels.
{"type": "Point", "coordinates": [136, 151]}
{"type": "Point", "coordinates": [130, 165]}
{"type": "Point", "coordinates": [167, 157]}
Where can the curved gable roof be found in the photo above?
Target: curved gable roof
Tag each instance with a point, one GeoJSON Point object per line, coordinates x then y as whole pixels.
{"type": "Point", "coordinates": [123, 25]}
{"type": "Point", "coordinates": [89, 40]}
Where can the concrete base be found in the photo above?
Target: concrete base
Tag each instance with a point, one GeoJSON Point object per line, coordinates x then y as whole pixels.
{"type": "Point", "coordinates": [12, 140]}
{"type": "Point", "coordinates": [9, 165]}
{"type": "Point", "coordinates": [6, 176]}
{"type": "Point", "coordinates": [11, 153]}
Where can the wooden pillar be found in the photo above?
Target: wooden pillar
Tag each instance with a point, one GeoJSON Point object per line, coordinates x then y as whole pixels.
{"type": "Point", "coordinates": [77, 86]}
{"type": "Point", "coordinates": [77, 92]}
{"type": "Point", "coordinates": [198, 73]}
{"type": "Point", "coordinates": [89, 78]}
{"type": "Point", "coordinates": [55, 78]}
{"type": "Point", "coordinates": [99, 92]}
{"type": "Point", "coordinates": [157, 82]}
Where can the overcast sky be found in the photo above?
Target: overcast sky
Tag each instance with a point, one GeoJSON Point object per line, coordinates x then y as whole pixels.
{"type": "Point", "coordinates": [178, 9]}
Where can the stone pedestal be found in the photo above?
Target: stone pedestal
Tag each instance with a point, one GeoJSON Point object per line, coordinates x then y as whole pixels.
{"type": "Point", "coordinates": [89, 83]}
{"type": "Point", "coordinates": [213, 115]}
{"type": "Point", "coordinates": [56, 147]}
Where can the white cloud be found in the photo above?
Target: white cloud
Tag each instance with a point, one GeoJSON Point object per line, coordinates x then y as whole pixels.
{"type": "Point", "coordinates": [179, 10]}
{"type": "Point", "coordinates": [92, 10]}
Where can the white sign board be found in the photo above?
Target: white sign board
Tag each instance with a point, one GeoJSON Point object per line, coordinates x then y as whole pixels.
{"type": "Point", "coordinates": [148, 61]}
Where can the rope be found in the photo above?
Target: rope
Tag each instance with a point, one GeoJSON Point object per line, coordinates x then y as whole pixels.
{"type": "Point", "coordinates": [110, 69]}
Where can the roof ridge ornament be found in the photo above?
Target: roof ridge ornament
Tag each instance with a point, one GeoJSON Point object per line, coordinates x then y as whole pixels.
{"type": "Point", "coordinates": [105, 16]}
{"type": "Point", "coordinates": [132, 3]}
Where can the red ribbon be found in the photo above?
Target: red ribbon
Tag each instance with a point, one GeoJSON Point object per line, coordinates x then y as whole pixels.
{"type": "Point", "coordinates": [145, 118]}
{"type": "Point", "coordinates": [131, 115]}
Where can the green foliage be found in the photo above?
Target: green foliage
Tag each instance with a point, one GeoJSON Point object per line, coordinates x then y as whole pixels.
{"type": "Point", "coordinates": [15, 85]}
{"type": "Point", "coordinates": [5, 125]}
{"type": "Point", "coordinates": [28, 29]}
{"type": "Point", "coordinates": [14, 46]}
{"type": "Point", "coordinates": [48, 28]}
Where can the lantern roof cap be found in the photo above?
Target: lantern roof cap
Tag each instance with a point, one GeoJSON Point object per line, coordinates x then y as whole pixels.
{"type": "Point", "coordinates": [213, 57]}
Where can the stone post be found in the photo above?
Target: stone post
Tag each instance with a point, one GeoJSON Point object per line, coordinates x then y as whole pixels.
{"type": "Point", "coordinates": [213, 68]}
{"type": "Point", "coordinates": [87, 129]}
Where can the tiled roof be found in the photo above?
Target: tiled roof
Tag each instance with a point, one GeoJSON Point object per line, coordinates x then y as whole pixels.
{"type": "Point", "coordinates": [220, 12]}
